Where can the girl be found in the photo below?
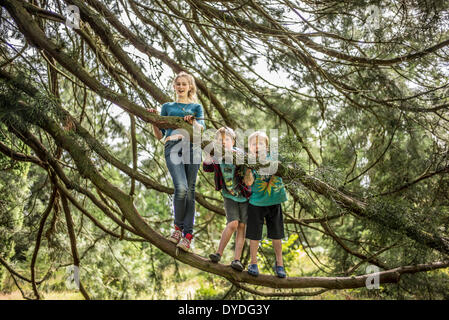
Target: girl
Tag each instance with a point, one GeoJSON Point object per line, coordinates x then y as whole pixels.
{"type": "Point", "coordinates": [184, 172]}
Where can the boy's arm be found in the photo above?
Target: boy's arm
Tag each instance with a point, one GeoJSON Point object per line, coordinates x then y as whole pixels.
{"type": "Point", "coordinates": [249, 178]}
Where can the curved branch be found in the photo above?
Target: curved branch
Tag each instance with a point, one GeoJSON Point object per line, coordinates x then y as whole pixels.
{"type": "Point", "coordinates": [72, 237]}
{"type": "Point", "coordinates": [45, 215]}
{"type": "Point", "coordinates": [278, 294]}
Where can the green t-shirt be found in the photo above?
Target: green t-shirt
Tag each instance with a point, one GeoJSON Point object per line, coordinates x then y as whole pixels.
{"type": "Point", "coordinates": [229, 189]}
{"type": "Point", "coordinates": [267, 190]}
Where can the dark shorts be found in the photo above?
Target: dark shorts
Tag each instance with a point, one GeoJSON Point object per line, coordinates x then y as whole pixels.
{"type": "Point", "coordinates": [273, 217]}
{"type": "Point", "coordinates": [235, 210]}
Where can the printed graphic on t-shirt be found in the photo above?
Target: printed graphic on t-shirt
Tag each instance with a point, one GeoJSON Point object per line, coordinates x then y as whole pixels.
{"type": "Point", "coordinates": [228, 177]}
{"type": "Point", "coordinates": [268, 185]}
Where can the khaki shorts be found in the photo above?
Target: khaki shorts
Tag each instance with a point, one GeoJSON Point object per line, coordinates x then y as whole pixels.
{"type": "Point", "coordinates": [235, 210]}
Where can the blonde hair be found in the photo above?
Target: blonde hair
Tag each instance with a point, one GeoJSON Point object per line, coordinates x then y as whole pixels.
{"type": "Point", "coordinates": [226, 131]}
{"type": "Point", "coordinates": [260, 134]}
{"type": "Point", "coordinates": [191, 80]}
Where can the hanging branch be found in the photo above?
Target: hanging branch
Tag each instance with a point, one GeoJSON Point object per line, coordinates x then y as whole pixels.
{"type": "Point", "coordinates": [72, 237]}
{"type": "Point", "coordinates": [45, 215]}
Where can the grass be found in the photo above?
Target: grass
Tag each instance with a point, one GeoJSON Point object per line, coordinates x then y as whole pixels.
{"type": "Point", "coordinates": [63, 295]}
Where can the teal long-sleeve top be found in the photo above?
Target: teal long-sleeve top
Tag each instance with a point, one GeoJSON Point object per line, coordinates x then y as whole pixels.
{"type": "Point", "coordinates": [177, 109]}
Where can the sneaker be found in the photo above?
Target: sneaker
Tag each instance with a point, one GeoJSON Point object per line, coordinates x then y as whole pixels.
{"type": "Point", "coordinates": [237, 265]}
{"type": "Point", "coordinates": [253, 270]}
{"type": "Point", "coordinates": [184, 244]}
{"type": "Point", "coordinates": [280, 271]}
{"type": "Point", "coordinates": [215, 257]}
{"type": "Point", "coordinates": [175, 236]}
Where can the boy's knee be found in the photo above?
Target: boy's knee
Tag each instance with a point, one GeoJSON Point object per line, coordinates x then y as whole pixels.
{"type": "Point", "coordinates": [254, 244]}
{"type": "Point", "coordinates": [233, 225]}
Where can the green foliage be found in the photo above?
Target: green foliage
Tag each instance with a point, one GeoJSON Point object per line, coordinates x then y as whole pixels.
{"type": "Point", "coordinates": [14, 191]}
{"type": "Point", "coordinates": [365, 124]}
{"type": "Point", "coordinates": [207, 292]}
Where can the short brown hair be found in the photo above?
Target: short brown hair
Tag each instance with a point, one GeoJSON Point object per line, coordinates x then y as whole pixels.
{"type": "Point", "coordinates": [226, 131]}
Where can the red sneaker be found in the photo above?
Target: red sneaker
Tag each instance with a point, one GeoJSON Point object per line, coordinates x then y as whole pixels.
{"type": "Point", "coordinates": [176, 236]}
{"type": "Point", "coordinates": [184, 244]}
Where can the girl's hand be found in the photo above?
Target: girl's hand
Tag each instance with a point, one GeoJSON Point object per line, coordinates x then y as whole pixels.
{"type": "Point", "coordinates": [189, 119]}
{"type": "Point", "coordinates": [152, 110]}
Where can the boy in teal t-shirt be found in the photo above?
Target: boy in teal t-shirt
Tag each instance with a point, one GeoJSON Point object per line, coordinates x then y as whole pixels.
{"type": "Point", "coordinates": [268, 192]}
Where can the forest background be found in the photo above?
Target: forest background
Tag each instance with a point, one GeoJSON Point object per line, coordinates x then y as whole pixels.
{"type": "Point", "coordinates": [359, 94]}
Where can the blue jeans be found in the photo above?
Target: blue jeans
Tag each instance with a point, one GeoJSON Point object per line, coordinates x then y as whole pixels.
{"type": "Point", "coordinates": [183, 172]}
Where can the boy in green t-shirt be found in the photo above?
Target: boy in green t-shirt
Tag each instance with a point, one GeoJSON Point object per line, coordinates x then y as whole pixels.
{"type": "Point", "coordinates": [268, 192]}
{"type": "Point", "coordinates": [229, 179]}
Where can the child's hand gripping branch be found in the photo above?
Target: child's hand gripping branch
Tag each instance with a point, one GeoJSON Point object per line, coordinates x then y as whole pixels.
{"type": "Point", "coordinates": [192, 120]}
{"type": "Point", "coordinates": [189, 119]}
